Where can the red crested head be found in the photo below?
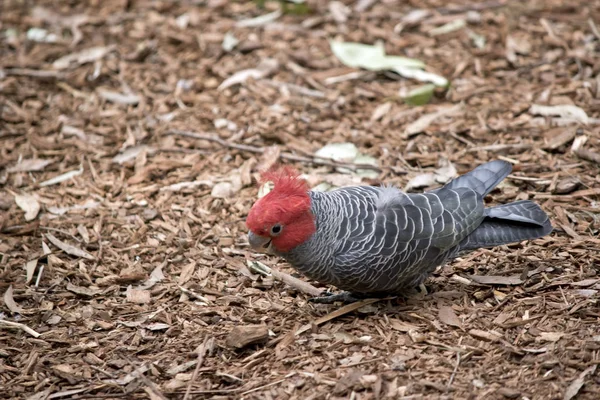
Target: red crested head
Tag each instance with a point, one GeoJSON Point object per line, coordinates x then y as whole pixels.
{"type": "Point", "coordinates": [282, 218]}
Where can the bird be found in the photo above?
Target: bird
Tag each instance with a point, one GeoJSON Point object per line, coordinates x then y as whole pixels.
{"type": "Point", "coordinates": [376, 241]}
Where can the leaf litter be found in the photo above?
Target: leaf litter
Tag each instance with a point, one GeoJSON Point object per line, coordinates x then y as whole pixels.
{"type": "Point", "coordinates": [121, 318]}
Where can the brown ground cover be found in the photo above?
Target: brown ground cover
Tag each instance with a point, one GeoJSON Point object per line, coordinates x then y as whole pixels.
{"type": "Point", "coordinates": [123, 252]}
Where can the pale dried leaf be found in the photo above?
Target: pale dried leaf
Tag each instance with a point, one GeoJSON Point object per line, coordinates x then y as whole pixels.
{"type": "Point", "coordinates": [33, 164]}
{"type": "Point", "coordinates": [10, 303]}
{"type": "Point", "coordinates": [578, 383]}
{"type": "Point", "coordinates": [448, 316]}
{"type": "Point", "coordinates": [29, 204]}
{"type": "Point", "coordinates": [131, 153]}
{"type": "Point", "coordinates": [227, 189]}
{"type": "Point", "coordinates": [420, 181]}
{"type": "Point", "coordinates": [344, 152]}
{"type": "Point", "coordinates": [380, 111]}
{"type": "Point", "coordinates": [63, 210]}
{"type": "Point", "coordinates": [565, 111]}
{"type": "Point", "coordinates": [157, 326]}
{"type": "Point", "coordinates": [69, 249]}
{"type": "Point", "coordinates": [63, 177]}
{"type": "Point", "coordinates": [264, 69]}
{"type": "Point", "coordinates": [119, 98]}
{"type": "Point", "coordinates": [83, 57]}
{"type": "Point", "coordinates": [30, 267]}
{"type": "Point", "coordinates": [424, 121]}
{"type": "Point", "coordinates": [260, 20]}
{"type": "Point", "coordinates": [449, 27]}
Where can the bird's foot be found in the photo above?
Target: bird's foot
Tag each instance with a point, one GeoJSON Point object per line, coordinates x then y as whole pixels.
{"type": "Point", "coordinates": [330, 298]}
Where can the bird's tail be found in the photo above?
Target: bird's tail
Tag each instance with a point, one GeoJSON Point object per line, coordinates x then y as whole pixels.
{"type": "Point", "coordinates": [509, 223]}
{"type": "Point", "coordinates": [484, 178]}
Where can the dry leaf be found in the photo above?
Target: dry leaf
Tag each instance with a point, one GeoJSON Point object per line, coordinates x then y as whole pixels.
{"type": "Point", "coordinates": [34, 164]}
{"type": "Point", "coordinates": [63, 177]}
{"type": "Point", "coordinates": [9, 301]}
{"type": "Point", "coordinates": [30, 267]}
{"type": "Point", "coordinates": [578, 383]}
{"type": "Point", "coordinates": [565, 111]}
{"type": "Point", "coordinates": [264, 69]}
{"type": "Point", "coordinates": [424, 121]}
{"type": "Point", "coordinates": [402, 326]}
{"type": "Point", "coordinates": [85, 56]}
{"type": "Point", "coordinates": [82, 290]}
{"type": "Point", "coordinates": [448, 316]}
{"type": "Point", "coordinates": [380, 111]}
{"type": "Point", "coordinates": [120, 98]}
{"type": "Point", "coordinates": [29, 204]}
{"type": "Point", "coordinates": [69, 249]}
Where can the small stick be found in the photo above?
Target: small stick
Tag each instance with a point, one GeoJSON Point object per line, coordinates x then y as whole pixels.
{"type": "Point", "coordinates": [197, 369]}
{"type": "Point", "coordinates": [455, 369]}
{"type": "Point", "coordinates": [20, 326]}
{"type": "Point", "coordinates": [260, 150]}
{"type": "Point", "coordinates": [296, 283]}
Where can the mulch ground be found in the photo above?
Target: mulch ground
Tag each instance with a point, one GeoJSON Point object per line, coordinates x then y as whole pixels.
{"type": "Point", "coordinates": [123, 250]}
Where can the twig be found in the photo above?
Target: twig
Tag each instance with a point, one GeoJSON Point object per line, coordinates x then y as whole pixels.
{"type": "Point", "coordinates": [486, 5]}
{"type": "Point", "coordinates": [263, 387]}
{"type": "Point", "coordinates": [149, 384]}
{"type": "Point", "coordinates": [296, 283]}
{"type": "Point", "coordinates": [594, 28]}
{"type": "Point", "coordinates": [294, 88]}
{"type": "Point", "coordinates": [501, 147]}
{"type": "Point", "coordinates": [34, 73]}
{"type": "Point", "coordinates": [339, 312]}
{"type": "Point", "coordinates": [20, 326]}
{"type": "Point", "coordinates": [455, 369]}
{"type": "Point", "coordinates": [199, 363]}
{"type": "Point", "coordinates": [260, 150]}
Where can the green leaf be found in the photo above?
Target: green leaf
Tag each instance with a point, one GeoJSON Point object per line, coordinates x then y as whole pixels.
{"type": "Point", "coordinates": [420, 96]}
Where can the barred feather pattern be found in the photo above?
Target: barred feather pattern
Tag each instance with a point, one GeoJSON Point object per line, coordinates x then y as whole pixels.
{"type": "Point", "coordinates": [382, 240]}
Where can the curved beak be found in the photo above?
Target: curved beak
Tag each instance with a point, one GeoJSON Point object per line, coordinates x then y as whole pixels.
{"type": "Point", "coordinates": [259, 243]}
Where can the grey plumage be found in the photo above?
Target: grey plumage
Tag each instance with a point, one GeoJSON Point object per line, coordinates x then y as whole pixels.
{"type": "Point", "coordinates": [379, 240]}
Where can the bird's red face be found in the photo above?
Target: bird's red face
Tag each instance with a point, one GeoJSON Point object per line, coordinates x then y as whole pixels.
{"type": "Point", "coordinates": [282, 219]}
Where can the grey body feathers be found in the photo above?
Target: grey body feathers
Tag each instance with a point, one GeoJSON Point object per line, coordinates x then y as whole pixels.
{"type": "Point", "coordinates": [381, 240]}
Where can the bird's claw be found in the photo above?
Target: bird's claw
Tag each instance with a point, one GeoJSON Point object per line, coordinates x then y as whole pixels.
{"type": "Point", "coordinates": [330, 298]}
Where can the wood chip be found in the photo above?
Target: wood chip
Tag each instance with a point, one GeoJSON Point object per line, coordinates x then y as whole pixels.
{"type": "Point", "coordinates": [242, 336]}
{"type": "Point", "coordinates": [496, 280]}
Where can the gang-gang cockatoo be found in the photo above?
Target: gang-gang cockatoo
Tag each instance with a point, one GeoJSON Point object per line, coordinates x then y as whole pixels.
{"type": "Point", "coordinates": [377, 241]}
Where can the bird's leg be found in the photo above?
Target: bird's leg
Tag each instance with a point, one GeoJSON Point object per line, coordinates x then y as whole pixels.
{"type": "Point", "coordinates": [330, 298]}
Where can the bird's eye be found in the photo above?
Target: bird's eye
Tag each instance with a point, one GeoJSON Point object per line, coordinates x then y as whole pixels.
{"type": "Point", "coordinates": [276, 229]}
